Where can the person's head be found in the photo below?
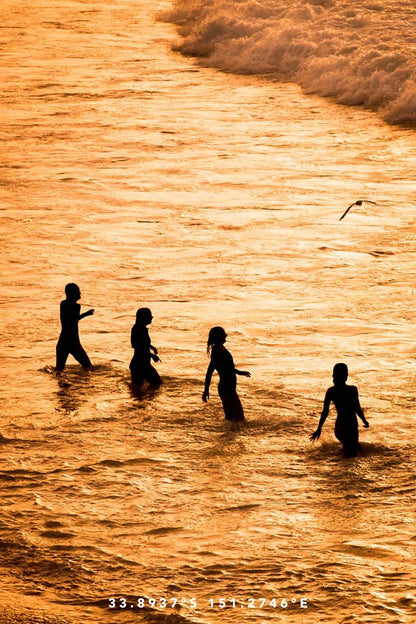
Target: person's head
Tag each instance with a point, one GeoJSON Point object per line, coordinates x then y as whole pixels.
{"type": "Point", "coordinates": [143, 316]}
{"type": "Point", "coordinates": [72, 292]}
{"type": "Point", "coordinates": [340, 373]}
{"type": "Point", "coordinates": [216, 337]}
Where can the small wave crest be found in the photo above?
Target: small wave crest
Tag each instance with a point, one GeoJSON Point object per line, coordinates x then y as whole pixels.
{"type": "Point", "coordinates": [359, 53]}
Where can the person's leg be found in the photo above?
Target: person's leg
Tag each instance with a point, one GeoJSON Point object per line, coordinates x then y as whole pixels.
{"type": "Point", "coordinates": [348, 436]}
{"type": "Point", "coordinates": [61, 355]}
{"type": "Point", "coordinates": [137, 377]}
{"type": "Point", "coordinates": [233, 410]}
{"type": "Point", "coordinates": [81, 356]}
{"type": "Point", "coordinates": [152, 376]}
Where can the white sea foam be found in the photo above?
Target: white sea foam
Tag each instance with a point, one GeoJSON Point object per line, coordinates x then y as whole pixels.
{"type": "Point", "coordinates": [356, 52]}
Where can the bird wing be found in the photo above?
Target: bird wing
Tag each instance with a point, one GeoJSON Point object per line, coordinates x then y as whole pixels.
{"type": "Point", "coordinates": [347, 210]}
{"type": "Point", "coordinates": [358, 203]}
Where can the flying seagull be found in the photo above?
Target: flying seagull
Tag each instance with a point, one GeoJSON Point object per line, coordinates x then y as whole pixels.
{"type": "Point", "coordinates": [360, 202]}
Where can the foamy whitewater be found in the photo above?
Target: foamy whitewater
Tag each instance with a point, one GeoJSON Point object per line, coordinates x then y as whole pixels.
{"type": "Point", "coordinates": [184, 158]}
{"type": "Point", "coordinates": [356, 52]}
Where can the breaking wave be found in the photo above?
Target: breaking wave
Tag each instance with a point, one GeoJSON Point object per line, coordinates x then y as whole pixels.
{"type": "Point", "coordinates": [359, 53]}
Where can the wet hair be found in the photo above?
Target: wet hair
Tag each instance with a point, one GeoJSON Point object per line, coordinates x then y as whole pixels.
{"type": "Point", "coordinates": [72, 290]}
{"type": "Point", "coordinates": [340, 371]}
{"type": "Point", "coordinates": [142, 315]}
{"type": "Point", "coordinates": [216, 335]}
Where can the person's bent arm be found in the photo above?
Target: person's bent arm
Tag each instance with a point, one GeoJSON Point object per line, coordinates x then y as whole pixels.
{"type": "Point", "coordinates": [210, 370]}
{"type": "Point", "coordinates": [244, 373]}
{"type": "Point", "coordinates": [325, 411]}
{"type": "Point", "coordinates": [84, 314]}
{"type": "Point", "coordinates": [359, 410]}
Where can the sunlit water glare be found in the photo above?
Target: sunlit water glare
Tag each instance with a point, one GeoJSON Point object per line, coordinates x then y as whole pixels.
{"type": "Point", "coordinates": [212, 198]}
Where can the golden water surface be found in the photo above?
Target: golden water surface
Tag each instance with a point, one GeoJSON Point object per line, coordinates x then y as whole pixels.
{"type": "Point", "coordinates": [212, 199]}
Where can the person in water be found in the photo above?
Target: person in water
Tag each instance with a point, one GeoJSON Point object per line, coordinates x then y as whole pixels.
{"type": "Point", "coordinates": [222, 361]}
{"type": "Point", "coordinates": [140, 365]}
{"type": "Point", "coordinates": [347, 404]}
{"type": "Point", "coordinates": [69, 342]}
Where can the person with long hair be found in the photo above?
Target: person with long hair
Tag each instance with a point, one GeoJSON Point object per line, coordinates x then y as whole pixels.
{"type": "Point", "coordinates": [222, 362]}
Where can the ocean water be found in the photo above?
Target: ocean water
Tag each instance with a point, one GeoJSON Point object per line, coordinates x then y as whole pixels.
{"type": "Point", "coordinates": [195, 158]}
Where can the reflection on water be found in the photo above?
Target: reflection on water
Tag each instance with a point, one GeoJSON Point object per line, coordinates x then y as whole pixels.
{"type": "Point", "coordinates": [213, 199]}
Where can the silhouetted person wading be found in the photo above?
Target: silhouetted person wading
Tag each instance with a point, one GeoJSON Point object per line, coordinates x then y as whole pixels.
{"type": "Point", "coordinates": [144, 352]}
{"type": "Point", "coordinates": [347, 404]}
{"type": "Point", "coordinates": [69, 342]}
{"type": "Point", "coordinates": [222, 361]}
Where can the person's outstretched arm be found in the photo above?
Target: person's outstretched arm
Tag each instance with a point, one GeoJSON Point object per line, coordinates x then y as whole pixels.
{"type": "Point", "coordinates": [210, 370]}
{"type": "Point", "coordinates": [325, 411]}
{"type": "Point", "coordinates": [84, 314]}
{"type": "Point", "coordinates": [244, 373]}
